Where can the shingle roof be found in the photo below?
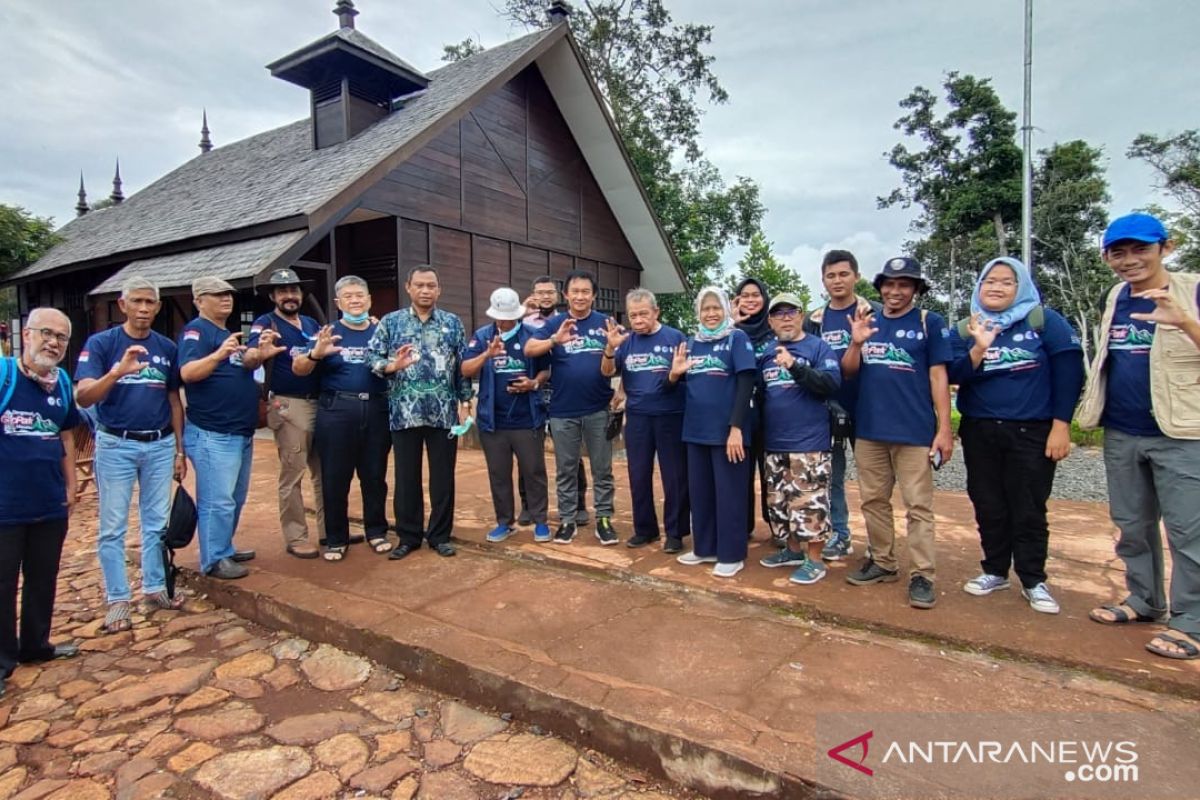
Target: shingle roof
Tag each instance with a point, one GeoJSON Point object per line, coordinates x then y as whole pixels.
{"type": "Point", "coordinates": [271, 175]}
{"type": "Point", "coordinates": [230, 261]}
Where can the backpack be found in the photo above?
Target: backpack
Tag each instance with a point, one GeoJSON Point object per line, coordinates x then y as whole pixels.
{"type": "Point", "coordinates": [8, 383]}
{"type": "Point", "coordinates": [1036, 320]}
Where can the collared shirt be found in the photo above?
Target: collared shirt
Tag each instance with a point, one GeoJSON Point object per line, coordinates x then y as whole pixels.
{"type": "Point", "coordinates": [427, 392]}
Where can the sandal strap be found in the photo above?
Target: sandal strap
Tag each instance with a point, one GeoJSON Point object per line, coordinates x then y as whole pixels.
{"type": "Point", "coordinates": [1183, 641]}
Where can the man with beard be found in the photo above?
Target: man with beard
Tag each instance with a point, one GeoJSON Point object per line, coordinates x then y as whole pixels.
{"type": "Point", "coordinates": [292, 409]}
{"type": "Point", "coordinates": [37, 487]}
{"type": "Point", "coordinates": [653, 419]}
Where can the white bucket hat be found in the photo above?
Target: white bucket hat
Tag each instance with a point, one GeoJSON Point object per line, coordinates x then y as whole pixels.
{"type": "Point", "coordinates": [506, 305]}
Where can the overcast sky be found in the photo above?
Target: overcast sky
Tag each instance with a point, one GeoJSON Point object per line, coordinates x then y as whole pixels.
{"type": "Point", "coordinates": [813, 89]}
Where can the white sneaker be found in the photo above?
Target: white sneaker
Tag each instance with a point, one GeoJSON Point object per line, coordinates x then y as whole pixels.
{"type": "Point", "coordinates": [985, 584]}
{"type": "Point", "coordinates": [1040, 599]}
{"type": "Point", "coordinates": [728, 570]}
{"type": "Point", "coordinates": [691, 559]}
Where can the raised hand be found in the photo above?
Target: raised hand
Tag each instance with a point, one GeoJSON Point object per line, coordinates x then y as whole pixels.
{"type": "Point", "coordinates": [267, 347]}
{"type": "Point", "coordinates": [531, 305]}
{"type": "Point", "coordinates": [783, 358]}
{"type": "Point", "coordinates": [862, 325]}
{"type": "Point", "coordinates": [327, 343]}
{"type": "Point", "coordinates": [404, 358]}
{"type": "Point", "coordinates": [495, 347]}
{"type": "Point", "coordinates": [565, 332]}
{"type": "Point", "coordinates": [616, 334]}
{"type": "Point", "coordinates": [681, 362]}
{"type": "Point", "coordinates": [983, 331]}
{"type": "Point", "coordinates": [130, 363]}
{"type": "Point", "coordinates": [736, 307]}
{"type": "Point", "coordinates": [1166, 310]}
{"type": "Point", "coordinates": [233, 344]}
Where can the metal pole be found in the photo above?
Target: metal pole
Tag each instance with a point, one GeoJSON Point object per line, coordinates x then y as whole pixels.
{"type": "Point", "coordinates": [1027, 146]}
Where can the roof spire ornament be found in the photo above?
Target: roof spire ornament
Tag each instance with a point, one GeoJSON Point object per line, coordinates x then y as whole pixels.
{"type": "Point", "coordinates": [346, 12]}
{"type": "Point", "coordinates": [558, 11]}
{"type": "Point", "coordinates": [81, 207]}
{"type": "Point", "coordinates": [205, 142]}
{"type": "Point", "coordinates": [117, 195]}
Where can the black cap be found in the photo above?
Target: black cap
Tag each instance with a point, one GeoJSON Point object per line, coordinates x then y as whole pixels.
{"type": "Point", "coordinates": [902, 267]}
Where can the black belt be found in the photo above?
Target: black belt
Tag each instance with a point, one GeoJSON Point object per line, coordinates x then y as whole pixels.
{"type": "Point", "coordinates": [136, 436]}
{"type": "Point", "coordinates": [357, 395]}
{"type": "Point", "coordinates": [296, 396]}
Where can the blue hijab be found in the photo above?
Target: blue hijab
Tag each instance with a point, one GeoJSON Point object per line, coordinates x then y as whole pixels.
{"type": "Point", "coordinates": [1025, 301]}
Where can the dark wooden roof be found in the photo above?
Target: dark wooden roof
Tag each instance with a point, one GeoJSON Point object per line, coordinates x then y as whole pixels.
{"type": "Point", "coordinates": [273, 177]}
{"type": "Point", "coordinates": [346, 51]}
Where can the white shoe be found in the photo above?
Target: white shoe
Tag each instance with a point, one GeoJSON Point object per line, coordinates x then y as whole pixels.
{"type": "Point", "coordinates": [691, 559]}
{"type": "Point", "coordinates": [1040, 599]}
{"type": "Point", "coordinates": [728, 570]}
{"type": "Point", "coordinates": [985, 584]}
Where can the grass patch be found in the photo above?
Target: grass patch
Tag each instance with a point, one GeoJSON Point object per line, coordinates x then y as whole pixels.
{"type": "Point", "coordinates": [1079, 436]}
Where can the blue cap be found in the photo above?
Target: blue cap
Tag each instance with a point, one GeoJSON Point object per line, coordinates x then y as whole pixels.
{"type": "Point", "coordinates": [1139, 227]}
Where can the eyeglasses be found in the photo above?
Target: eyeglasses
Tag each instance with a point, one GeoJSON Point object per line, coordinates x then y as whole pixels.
{"type": "Point", "coordinates": [48, 334]}
{"type": "Point", "coordinates": [785, 313]}
{"type": "Point", "coordinates": [1001, 282]}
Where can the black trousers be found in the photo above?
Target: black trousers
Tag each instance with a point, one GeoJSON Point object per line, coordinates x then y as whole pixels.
{"type": "Point", "coordinates": [757, 456]}
{"type": "Point", "coordinates": [407, 445]}
{"type": "Point", "coordinates": [528, 446]}
{"type": "Point", "coordinates": [1009, 480]}
{"type": "Point", "coordinates": [352, 438]}
{"type": "Point", "coordinates": [30, 551]}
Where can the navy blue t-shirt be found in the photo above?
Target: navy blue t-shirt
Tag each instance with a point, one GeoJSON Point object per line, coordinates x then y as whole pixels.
{"type": "Point", "coordinates": [298, 341]}
{"type": "Point", "coordinates": [794, 419]}
{"type": "Point", "coordinates": [712, 387]}
{"type": "Point", "coordinates": [510, 412]}
{"type": "Point", "coordinates": [644, 362]}
{"type": "Point", "coordinates": [32, 485]}
{"type": "Point", "coordinates": [138, 402]}
{"type": "Point", "coordinates": [1127, 403]}
{"type": "Point", "coordinates": [895, 402]}
{"type": "Point", "coordinates": [577, 386]}
{"type": "Point", "coordinates": [227, 400]}
{"type": "Point", "coordinates": [835, 332]}
{"type": "Point", "coordinates": [349, 370]}
{"type": "Point", "coordinates": [1014, 380]}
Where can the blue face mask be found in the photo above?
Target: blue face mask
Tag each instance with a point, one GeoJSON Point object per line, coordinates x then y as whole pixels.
{"type": "Point", "coordinates": [356, 319]}
{"type": "Point", "coordinates": [509, 334]}
{"type": "Point", "coordinates": [459, 430]}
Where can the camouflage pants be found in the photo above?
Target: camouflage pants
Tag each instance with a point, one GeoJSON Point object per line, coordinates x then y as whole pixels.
{"type": "Point", "coordinates": [798, 496]}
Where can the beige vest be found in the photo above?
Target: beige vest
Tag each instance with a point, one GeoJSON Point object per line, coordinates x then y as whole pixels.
{"type": "Point", "coordinates": [1174, 368]}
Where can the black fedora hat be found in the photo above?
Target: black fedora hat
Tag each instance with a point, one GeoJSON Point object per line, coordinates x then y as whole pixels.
{"type": "Point", "coordinates": [283, 277]}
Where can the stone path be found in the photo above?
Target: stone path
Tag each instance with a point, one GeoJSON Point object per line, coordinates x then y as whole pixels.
{"type": "Point", "coordinates": [202, 704]}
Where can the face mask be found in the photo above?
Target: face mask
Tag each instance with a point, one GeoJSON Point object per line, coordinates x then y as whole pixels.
{"type": "Point", "coordinates": [459, 430]}
{"type": "Point", "coordinates": [356, 319]}
{"type": "Point", "coordinates": [509, 334]}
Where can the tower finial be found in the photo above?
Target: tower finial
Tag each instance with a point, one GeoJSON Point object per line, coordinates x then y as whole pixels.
{"type": "Point", "coordinates": [205, 142]}
{"type": "Point", "coordinates": [558, 11]}
{"type": "Point", "coordinates": [117, 195]}
{"type": "Point", "coordinates": [81, 207]}
{"type": "Point", "coordinates": [346, 12]}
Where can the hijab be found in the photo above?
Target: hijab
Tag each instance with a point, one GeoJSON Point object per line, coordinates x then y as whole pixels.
{"type": "Point", "coordinates": [756, 325]}
{"type": "Point", "coordinates": [1024, 302]}
{"type": "Point", "coordinates": [704, 334]}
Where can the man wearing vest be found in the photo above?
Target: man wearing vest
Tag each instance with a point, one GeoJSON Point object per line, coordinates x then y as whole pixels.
{"type": "Point", "coordinates": [130, 374]}
{"type": "Point", "coordinates": [1144, 389]}
{"type": "Point", "coordinates": [37, 487]}
{"type": "Point", "coordinates": [292, 409]}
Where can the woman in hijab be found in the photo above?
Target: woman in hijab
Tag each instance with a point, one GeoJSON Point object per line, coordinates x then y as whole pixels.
{"type": "Point", "coordinates": [750, 302]}
{"type": "Point", "coordinates": [1019, 368]}
{"type": "Point", "coordinates": [719, 367]}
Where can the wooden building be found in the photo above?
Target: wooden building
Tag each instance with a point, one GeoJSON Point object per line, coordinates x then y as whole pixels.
{"type": "Point", "coordinates": [495, 169]}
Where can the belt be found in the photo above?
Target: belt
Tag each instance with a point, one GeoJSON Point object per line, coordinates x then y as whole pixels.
{"type": "Point", "coordinates": [357, 395]}
{"type": "Point", "coordinates": [136, 436]}
{"type": "Point", "coordinates": [296, 396]}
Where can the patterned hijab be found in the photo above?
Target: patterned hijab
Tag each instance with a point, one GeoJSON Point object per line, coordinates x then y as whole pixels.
{"type": "Point", "coordinates": [704, 334]}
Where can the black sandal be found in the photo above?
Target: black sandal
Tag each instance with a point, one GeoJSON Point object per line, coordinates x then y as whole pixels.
{"type": "Point", "coordinates": [1183, 641]}
{"type": "Point", "coordinates": [1120, 616]}
{"type": "Point", "coordinates": [334, 553]}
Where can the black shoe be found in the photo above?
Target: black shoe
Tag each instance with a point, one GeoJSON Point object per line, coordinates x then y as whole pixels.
{"type": "Point", "coordinates": [243, 555]}
{"type": "Point", "coordinates": [227, 570]}
{"type": "Point", "coordinates": [565, 533]}
{"type": "Point", "coordinates": [67, 650]}
{"type": "Point", "coordinates": [870, 572]}
{"type": "Point", "coordinates": [673, 545]}
{"type": "Point", "coordinates": [400, 552]}
{"type": "Point", "coordinates": [445, 549]}
{"type": "Point", "coordinates": [605, 532]}
{"type": "Point", "coordinates": [525, 518]}
{"type": "Point", "coordinates": [641, 541]}
{"type": "Point", "coordinates": [920, 592]}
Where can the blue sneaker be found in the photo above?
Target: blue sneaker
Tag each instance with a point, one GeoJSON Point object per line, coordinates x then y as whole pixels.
{"type": "Point", "coordinates": [499, 533]}
{"type": "Point", "coordinates": [783, 558]}
{"type": "Point", "coordinates": [810, 571]}
{"type": "Point", "coordinates": [541, 532]}
{"type": "Point", "coordinates": [837, 549]}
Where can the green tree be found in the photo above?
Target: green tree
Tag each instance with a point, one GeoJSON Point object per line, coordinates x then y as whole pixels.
{"type": "Point", "coordinates": [1070, 195]}
{"type": "Point", "coordinates": [23, 239]}
{"type": "Point", "coordinates": [864, 288]}
{"type": "Point", "coordinates": [656, 75]}
{"type": "Point", "coordinates": [1176, 159]}
{"type": "Point", "coordinates": [464, 49]}
{"type": "Point", "coordinates": [760, 262]}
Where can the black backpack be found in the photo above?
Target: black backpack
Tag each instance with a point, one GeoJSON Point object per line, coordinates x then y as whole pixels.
{"type": "Point", "coordinates": [181, 529]}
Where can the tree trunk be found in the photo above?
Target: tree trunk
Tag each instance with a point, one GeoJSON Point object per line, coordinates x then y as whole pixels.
{"type": "Point", "coordinates": [1002, 245]}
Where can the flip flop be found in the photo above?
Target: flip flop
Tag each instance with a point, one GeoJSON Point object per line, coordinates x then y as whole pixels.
{"type": "Point", "coordinates": [1120, 616]}
{"type": "Point", "coordinates": [117, 619]}
{"type": "Point", "coordinates": [1183, 641]}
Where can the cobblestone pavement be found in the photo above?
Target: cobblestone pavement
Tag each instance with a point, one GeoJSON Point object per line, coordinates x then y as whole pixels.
{"type": "Point", "coordinates": [200, 704]}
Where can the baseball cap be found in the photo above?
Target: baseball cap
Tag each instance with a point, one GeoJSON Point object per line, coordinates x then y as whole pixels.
{"type": "Point", "coordinates": [210, 285]}
{"type": "Point", "coordinates": [506, 305]}
{"type": "Point", "coordinates": [785, 299]}
{"type": "Point", "coordinates": [1139, 227]}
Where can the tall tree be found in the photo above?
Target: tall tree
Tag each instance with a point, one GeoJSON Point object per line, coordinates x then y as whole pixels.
{"type": "Point", "coordinates": [760, 262]}
{"type": "Point", "coordinates": [656, 76]}
{"type": "Point", "coordinates": [1176, 159]}
{"type": "Point", "coordinates": [23, 239]}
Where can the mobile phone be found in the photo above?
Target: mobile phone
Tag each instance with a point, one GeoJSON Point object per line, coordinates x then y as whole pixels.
{"type": "Point", "coordinates": [936, 459]}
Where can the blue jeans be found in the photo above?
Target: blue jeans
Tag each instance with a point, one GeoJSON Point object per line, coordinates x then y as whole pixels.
{"type": "Point", "coordinates": [120, 464]}
{"type": "Point", "coordinates": [221, 462]}
{"type": "Point", "coordinates": [839, 511]}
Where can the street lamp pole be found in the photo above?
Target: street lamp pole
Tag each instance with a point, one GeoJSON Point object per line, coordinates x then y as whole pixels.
{"type": "Point", "coordinates": [1027, 146]}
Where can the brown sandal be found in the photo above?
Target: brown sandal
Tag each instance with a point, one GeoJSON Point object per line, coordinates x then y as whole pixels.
{"type": "Point", "coordinates": [117, 619]}
{"type": "Point", "coordinates": [163, 601]}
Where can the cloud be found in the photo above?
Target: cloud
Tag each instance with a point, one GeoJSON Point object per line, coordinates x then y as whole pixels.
{"type": "Point", "coordinates": [805, 258]}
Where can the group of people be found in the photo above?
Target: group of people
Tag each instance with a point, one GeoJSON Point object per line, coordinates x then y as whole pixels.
{"type": "Point", "coordinates": [761, 386]}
